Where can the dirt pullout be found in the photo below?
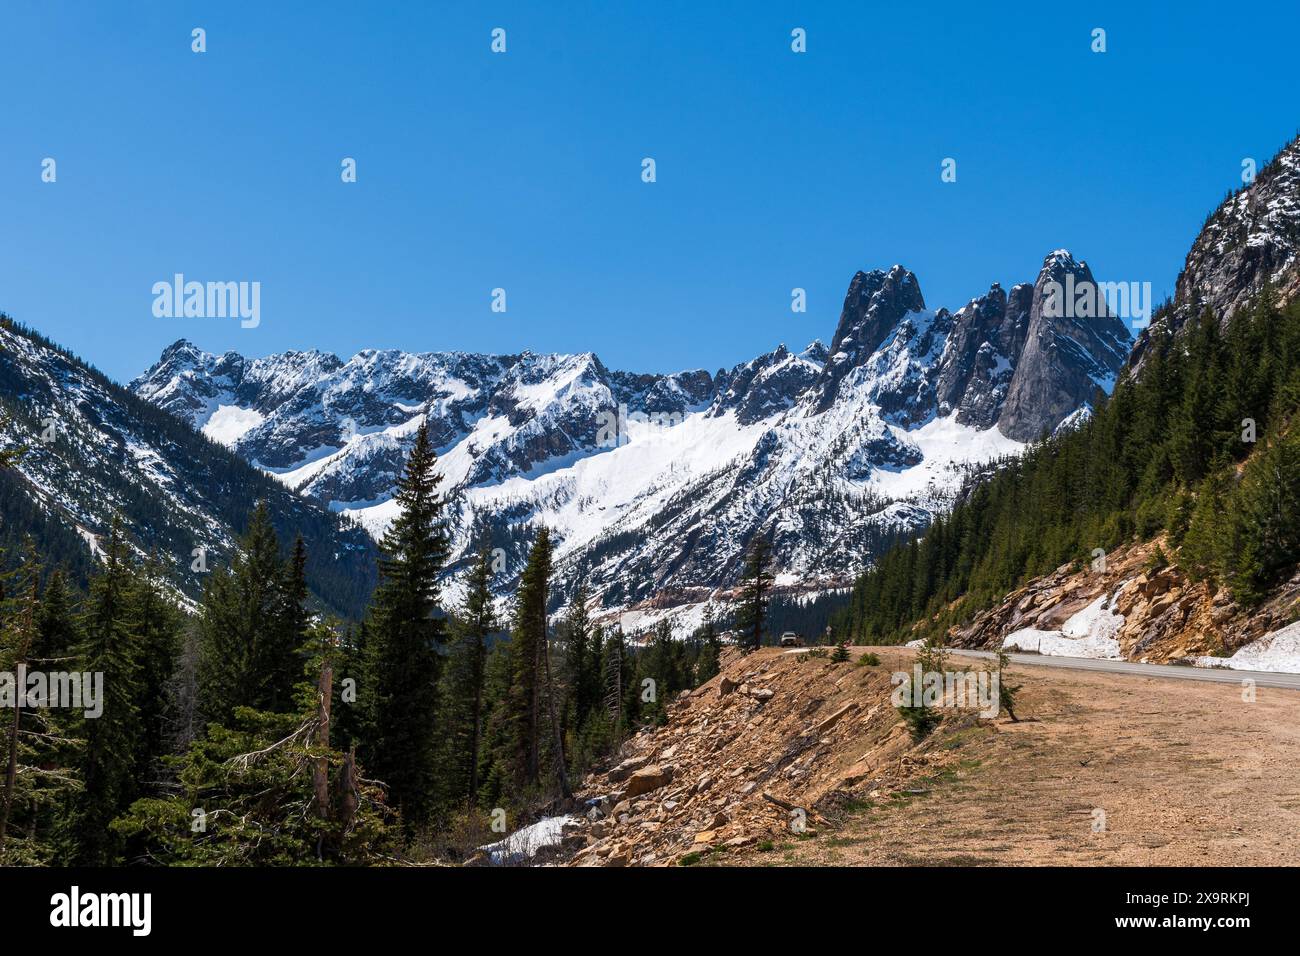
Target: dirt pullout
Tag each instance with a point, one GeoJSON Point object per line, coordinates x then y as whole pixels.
{"type": "Point", "coordinates": [1108, 770]}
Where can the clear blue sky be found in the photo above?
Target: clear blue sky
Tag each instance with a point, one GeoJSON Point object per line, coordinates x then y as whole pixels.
{"type": "Point", "coordinates": [522, 170]}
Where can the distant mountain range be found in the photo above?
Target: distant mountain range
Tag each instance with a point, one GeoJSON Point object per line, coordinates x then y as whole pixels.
{"type": "Point", "coordinates": [653, 484]}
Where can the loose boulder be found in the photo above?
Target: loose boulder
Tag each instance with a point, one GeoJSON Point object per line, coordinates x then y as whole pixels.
{"type": "Point", "coordinates": [647, 779]}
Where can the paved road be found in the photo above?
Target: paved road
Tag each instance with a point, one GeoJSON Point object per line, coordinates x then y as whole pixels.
{"type": "Point", "coordinates": [1218, 675]}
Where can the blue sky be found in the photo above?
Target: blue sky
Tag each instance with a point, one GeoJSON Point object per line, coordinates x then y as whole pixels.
{"type": "Point", "coordinates": [522, 170]}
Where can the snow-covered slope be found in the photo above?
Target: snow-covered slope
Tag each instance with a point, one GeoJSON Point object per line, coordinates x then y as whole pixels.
{"type": "Point", "coordinates": [653, 484]}
{"type": "Point", "coordinates": [94, 452]}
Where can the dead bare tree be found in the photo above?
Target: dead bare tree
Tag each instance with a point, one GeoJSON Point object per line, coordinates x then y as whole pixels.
{"type": "Point", "coordinates": [614, 684]}
{"type": "Point", "coordinates": [320, 771]}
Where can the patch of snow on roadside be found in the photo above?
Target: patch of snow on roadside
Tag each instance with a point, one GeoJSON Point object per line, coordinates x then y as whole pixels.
{"type": "Point", "coordinates": [1095, 623]}
{"type": "Point", "coordinates": [1089, 633]}
{"type": "Point", "coordinates": [1276, 651]}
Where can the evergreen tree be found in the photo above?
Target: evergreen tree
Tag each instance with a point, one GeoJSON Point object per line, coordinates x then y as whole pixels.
{"type": "Point", "coordinates": [17, 636]}
{"type": "Point", "coordinates": [709, 663]}
{"type": "Point", "coordinates": [40, 776]}
{"type": "Point", "coordinates": [756, 583]}
{"type": "Point", "coordinates": [527, 649]}
{"type": "Point", "coordinates": [269, 790]}
{"type": "Point", "coordinates": [248, 656]}
{"type": "Point", "coordinates": [498, 786]}
{"type": "Point", "coordinates": [284, 661]}
{"type": "Point", "coordinates": [461, 699]}
{"type": "Point", "coordinates": [155, 624]}
{"type": "Point", "coordinates": [112, 738]}
{"type": "Point", "coordinates": [401, 667]}
{"type": "Point", "coordinates": [581, 662]}
{"type": "Point", "coordinates": [1266, 509]}
{"type": "Point", "coordinates": [615, 678]}
{"type": "Point", "coordinates": [349, 716]}
{"type": "Point", "coordinates": [56, 623]}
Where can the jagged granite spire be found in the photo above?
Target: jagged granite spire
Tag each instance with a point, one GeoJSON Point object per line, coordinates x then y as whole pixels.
{"type": "Point", "coordinates": [1073, 346]}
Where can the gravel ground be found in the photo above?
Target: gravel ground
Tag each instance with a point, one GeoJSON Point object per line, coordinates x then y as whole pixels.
{"type": "Point", "coordinates": [1103, 770]}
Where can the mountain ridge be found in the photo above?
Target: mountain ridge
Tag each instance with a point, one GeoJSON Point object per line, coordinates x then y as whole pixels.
{"type": "Point", "coordinates": [94, 452]}
{"type": "Point", "coordinates": [652, 482]}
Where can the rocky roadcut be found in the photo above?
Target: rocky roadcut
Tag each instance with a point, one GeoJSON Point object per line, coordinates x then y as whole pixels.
{"type": "Point", "coordinates": [1163, 616]}
{"type": "Point", "coordinates": [773, 748]}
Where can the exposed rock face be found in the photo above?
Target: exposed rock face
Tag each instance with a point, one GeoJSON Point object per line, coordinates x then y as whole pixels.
{"type": "Point", "coordinates": [769, 384]}
{"type": "Point", "coordinates": [1166, 615]}
{"type": "Point", "coordinates": [983, 351]}
{"type": "Point", "coordinates": [1251, 240]}
{"type": "Point", "coordinates": [1073, 346]}
{"type": "Point", "coordinates": [874, 305]}
{"type": "Point", "coordinates": [647, 779]}
{"type": "Point", "coordinates": [796, 737]}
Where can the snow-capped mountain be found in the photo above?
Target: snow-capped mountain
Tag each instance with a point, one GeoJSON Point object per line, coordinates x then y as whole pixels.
{"type": "Point", "coordinates": [653, 484]}
{"type": "Point", "coordinates": [94, 452]}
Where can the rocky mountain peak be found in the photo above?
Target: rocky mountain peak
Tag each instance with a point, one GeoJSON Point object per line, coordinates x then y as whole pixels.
{"type": "Point", "coordinates": [1073, 346]}
{"type": "Point", "coordinates": [981, 355]}
{"type": "Point", "coordinates": [816, 351]}
{"type": "Point", "coordinates": [874, 305]}
{"type": "Point", "coordinates": [1251, 240]}
{"type": "Point", "coordinates": [875, 302]}
{"type": "Point", "coordinates": [182, 350]}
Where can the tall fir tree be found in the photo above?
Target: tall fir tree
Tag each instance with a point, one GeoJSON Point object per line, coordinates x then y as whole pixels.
{"type": "Point", "coordinates": [461, 698]}
{"type": "Point", "coordinates": [18, 633]}
{"type": "Point", "coordinates": [527, 645]}
{"type": "Point", "coordinates": [292, 624]}
{"type": "Point", "coordinates": [248, 656]}
{"type": "Point", "coordinates": [401, 665]}
{"type": "Point", "coordinates": [581, 661]}
{"type": "Point", "coordinates": [112, 738]}
{"type": "Point", "coordinates": [1266, 509]}
{"type": "Point", "coordinates": [56, 623]}
{"type": "Point", "coordinates": [155, 625]}
{"type": "Point", "coordinates": [755, 585]}
{"type": "Point", "coordinates": [709, 662]}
